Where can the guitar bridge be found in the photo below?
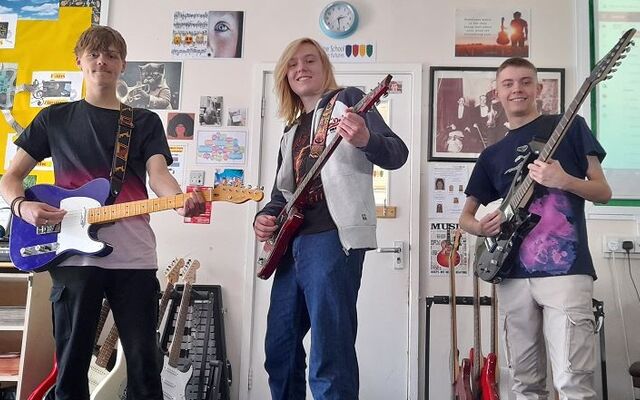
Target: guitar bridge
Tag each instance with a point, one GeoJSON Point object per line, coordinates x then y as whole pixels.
{"type": "Point", "coordinates": [39, 249]}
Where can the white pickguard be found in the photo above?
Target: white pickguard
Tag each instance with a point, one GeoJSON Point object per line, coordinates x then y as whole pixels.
{"type": "Point", "coordinates": [114, 384]}
{"type": "Point", "coordinates": [174, 381]}
{"type": "Point", "coordinates": [74, 229]}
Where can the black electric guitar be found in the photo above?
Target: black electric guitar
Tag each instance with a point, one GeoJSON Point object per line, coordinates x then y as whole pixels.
{"type": "Point", "coordinates": [500, 250]}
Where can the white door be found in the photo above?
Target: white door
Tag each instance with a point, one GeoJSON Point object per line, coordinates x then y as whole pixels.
{"type": "Point", "coordinates": [387, 341]}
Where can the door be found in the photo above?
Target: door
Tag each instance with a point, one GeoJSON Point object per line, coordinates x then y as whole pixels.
{"type": "Point", "coordinates": [388, 299]}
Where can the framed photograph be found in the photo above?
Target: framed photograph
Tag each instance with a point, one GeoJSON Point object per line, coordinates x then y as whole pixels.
{"type": "Point", "coordinates": [151, 85]}
{"type": "Point", "coordinates": [466, 117]}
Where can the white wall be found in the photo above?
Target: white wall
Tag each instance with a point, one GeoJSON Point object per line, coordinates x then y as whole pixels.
{"type": "Point", "coordinates": [405, 31]}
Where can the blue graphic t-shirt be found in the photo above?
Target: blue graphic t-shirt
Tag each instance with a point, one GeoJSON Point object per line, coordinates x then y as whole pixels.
{"type": "Point", "coordinates": [557, 245]}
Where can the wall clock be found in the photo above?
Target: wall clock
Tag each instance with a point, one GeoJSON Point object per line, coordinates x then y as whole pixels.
{"type": "Point", "coordinates": [338, 19]}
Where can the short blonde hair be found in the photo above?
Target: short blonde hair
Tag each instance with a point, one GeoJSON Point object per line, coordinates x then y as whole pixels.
{"type": "Point", "coordinates": [100, 38]}
{"type": "Point", "coordinates": [290, 105]}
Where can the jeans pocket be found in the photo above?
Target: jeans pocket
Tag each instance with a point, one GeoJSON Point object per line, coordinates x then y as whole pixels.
{"type": "Point", "coordinates": [60, 313]}
{"type": "Point", "coordinates": [580, 342]}
{"type": "Point", "coordinates": [507, 344]}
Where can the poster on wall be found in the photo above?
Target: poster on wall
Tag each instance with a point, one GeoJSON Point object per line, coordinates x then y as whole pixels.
{"type": "Point", "coordinates": [154, 85]}
{"type": "Point", "coordinates": [363, 52]}
{"type": "Point", "coordinates": [441, 236]}
{"type": "Point", "coordinates": [8, 24]}
{"type": "Point", "coordinates": [180, 126]}
{"type": "Point", "coordinates": [237, 116]}
{"type": "Point", "coordinates": [31, 9]}
{"type": "Point", "coordinates": [493, 32]}
{"type": "Point", "coordinates": [52, 87]}
{"type": "Point", "coordinates": [7, 84]}
{"type": "Point", "coordinates": [228, 176]}
{"type": "Point", "coordinates": [177, 168]}
{"type": "Point", "coordinates": [207, 34]}
{"type": "Point", "coordinates": [446, 186]}
{"type": "Point", "coordinates": [221, 147]}
{"type": "Point", "coordinates": [100, 9]}
{"type": "Point", "coordinates": [11, 149]}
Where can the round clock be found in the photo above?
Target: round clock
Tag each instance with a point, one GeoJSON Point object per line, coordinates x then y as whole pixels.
{"type": "Point", "coordinates": [338, 19]}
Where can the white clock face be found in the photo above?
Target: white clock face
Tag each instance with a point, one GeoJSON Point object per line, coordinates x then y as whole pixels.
{"type": "Point", "coordinates": [339, 17]}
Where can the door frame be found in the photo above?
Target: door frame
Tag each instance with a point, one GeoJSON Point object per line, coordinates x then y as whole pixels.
{"type": "Point", "coordinates": [252, 174]}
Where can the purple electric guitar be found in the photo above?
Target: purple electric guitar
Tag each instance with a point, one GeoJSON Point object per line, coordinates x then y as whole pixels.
{"type": "Point", "coordinates": [40, 248]}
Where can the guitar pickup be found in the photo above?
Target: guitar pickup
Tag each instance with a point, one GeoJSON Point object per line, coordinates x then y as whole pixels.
{"type": "Point", "coordinates": [39, 249]}
{"type": "Point", "coordinates": [46, 229]}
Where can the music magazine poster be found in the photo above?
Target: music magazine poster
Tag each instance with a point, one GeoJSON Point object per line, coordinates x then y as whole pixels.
{"type": "Point", "coordinates": [501, 32]}
{"type": "Point", "coordinates": [441, 237]}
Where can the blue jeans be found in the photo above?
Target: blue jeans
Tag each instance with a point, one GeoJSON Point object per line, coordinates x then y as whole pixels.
{"type": "Point", "coordinates": [315, 287]}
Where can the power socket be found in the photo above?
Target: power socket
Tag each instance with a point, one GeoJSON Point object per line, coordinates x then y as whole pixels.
{"type": "Point", "coordinates": [196, 178]}
{"type": "Point", "coordinates": [613, 244]}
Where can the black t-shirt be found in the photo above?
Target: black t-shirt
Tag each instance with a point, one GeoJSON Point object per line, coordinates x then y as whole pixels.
{"type": "Point", "coordinates": [557, 245]}
{"type": "Point", "coordinates": [80, 138]}
{"type": "Point", "coordinates": [316, 214]}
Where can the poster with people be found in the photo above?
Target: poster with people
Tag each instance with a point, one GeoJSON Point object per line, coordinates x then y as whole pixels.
{"type": "Point", "coordinates": [492, 32]}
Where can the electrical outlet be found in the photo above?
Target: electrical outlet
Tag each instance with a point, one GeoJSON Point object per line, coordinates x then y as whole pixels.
{"type": "Point", "coordinates": [196, 178]}
{"type": "Point", "coordinates": [613, 244]}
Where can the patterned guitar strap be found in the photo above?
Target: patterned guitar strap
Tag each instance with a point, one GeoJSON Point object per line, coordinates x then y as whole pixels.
{"type": "Point", "coordinates": [320, 137]}
{"type": "Point", "coordinates": [121, 151]}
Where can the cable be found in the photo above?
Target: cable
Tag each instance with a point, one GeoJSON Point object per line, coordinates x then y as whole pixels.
{"type": "Point", "coordinates": [633, 281]}
{"type": "Point", "coordinates": [617, 296]}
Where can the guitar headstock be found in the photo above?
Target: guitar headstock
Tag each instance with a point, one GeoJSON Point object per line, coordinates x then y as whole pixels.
{"type": "Point", "coordinates": [172, 272]}
{"type": "Point", "coordinates": [371, 98]}
{"type": "Point", "coordinates": [236, 193]}
{"type": "Point", "coordinates": [457, 236]}
{"type": "Point", "coordinates": [189, 272]}
{"type": "Point", "coordinates": [609, 63]}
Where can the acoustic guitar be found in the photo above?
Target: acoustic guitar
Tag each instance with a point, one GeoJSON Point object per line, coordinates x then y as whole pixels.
{"type": "Point", "coordinates": [503, 38]}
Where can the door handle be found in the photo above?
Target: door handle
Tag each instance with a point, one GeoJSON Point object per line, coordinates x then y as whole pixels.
{"type": "Point", "coordinates": [397, 249]}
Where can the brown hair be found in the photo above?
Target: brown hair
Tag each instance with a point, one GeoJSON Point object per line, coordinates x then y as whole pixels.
{"type": "Point", "coordinates": [100, 38]}
{"type": "Point", "coordinates": [516, 62]}
{"type": "Point", "coordinates": [290, 105]}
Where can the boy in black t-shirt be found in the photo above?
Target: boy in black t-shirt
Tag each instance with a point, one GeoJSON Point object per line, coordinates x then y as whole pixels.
{"type": "Point", "coordinates": [547, 294]}
{"type": "Point", "coordinates": [80, 138]}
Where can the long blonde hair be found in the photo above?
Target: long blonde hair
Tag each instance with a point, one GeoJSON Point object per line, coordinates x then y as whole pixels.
{"type": "Point", "coordinates": [290, 105]}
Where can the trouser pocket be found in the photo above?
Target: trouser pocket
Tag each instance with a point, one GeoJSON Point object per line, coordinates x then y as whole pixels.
{"type": "Point", "coordinates": [60, 314]}
{"type": "Point", "coordinates": [580, 342]}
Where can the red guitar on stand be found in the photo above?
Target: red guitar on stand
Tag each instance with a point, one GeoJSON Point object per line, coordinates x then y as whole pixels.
{"type": "Point", "coordinates": [460, 374]}
{"type": "Point", "coordinates": [483, 378]}
{"type": "Point", "coordinates": [292, 215]}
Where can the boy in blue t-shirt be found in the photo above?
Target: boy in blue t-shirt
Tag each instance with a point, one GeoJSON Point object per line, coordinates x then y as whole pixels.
{"type": "Point", "coordinates": [547, 293]}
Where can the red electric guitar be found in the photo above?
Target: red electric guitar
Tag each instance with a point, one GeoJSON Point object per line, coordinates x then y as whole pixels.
{"type": "Point", "coordinates": [460, 373]}
{"type": "Point", "coordinates": [483, 378]}
{"type": "Point", "coordinates": [292, 215]}
{"type": "Point", "coordinates": [48, 384]}
{"type": "Point", "coordinates": [503, 38]}
{"type": "Point", "coordinates": [445, 253]}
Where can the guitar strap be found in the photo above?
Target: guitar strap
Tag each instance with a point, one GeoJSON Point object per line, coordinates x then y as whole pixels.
{"type": "Point", "coordinates": [120, 152]}
{"type": "Point", "coordinates": [320, 137]}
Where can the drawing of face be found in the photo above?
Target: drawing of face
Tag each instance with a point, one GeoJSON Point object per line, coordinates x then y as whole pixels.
{"type": "Point", "coordinates": [224, 33]}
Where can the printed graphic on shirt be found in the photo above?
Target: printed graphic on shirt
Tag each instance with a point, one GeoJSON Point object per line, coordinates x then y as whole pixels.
{"type": "Point", "coordinates": [551, 246]}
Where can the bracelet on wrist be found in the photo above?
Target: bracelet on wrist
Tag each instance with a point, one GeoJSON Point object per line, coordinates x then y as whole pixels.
{"type": "Point", "coordinates": [13, 204]}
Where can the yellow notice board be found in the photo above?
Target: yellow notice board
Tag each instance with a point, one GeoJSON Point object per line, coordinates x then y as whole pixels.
{"type": "Point", "coordinates": [41, 45]}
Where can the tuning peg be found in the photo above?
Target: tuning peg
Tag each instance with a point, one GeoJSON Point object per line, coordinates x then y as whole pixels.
{"type": "Point", "coordinates": [613, 70]}
{"type": "Point", "coordinates": [261, 187]}
{"type": "Point", "coordinates": [622, 56]}
{"type": "Point", "coordinates": [248, 186]}
{"type": "Point", "coordinates": [619, 63]}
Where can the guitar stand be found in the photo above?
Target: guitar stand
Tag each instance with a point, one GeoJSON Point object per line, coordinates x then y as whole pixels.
{"type": "Point", "coordinates": [598, 312]}
{"type": "Point", "coordinates": [204, 344]}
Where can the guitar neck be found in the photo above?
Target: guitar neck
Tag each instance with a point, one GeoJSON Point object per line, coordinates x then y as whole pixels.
{"type": "Point", "coordinates": [521, 196]}
{"type": "Point", "coordinates": [104, 313]}
{"type": "Point", "coordinates": [164, 301]}
{"type": "Point", "coordinates": [107, 348]}
{"type": "Point", "coordinates": [477, 338]}
{"type": "Point", "coordinates": [454, 322]}
{"type": "Point", "coordinates": [494, 320]}
{"type": "Point", "coordinates": [178, 333]}
{"type": "Point", "coordinates": [101, 215]}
